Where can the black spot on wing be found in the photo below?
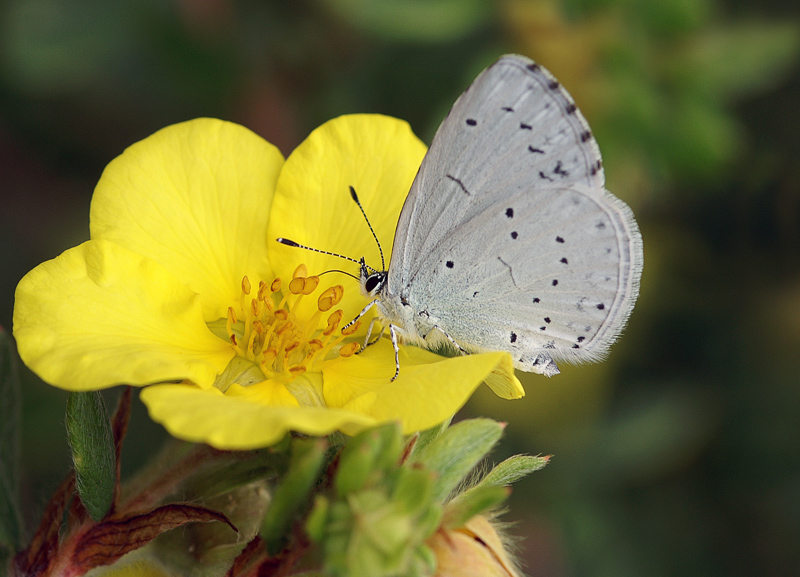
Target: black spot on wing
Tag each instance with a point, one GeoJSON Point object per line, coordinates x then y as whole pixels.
{"type": "Point", "coordinates": [449, 264]}
{"type": "Point", "coordinates": [507, 109]}
{"type": "Point", "coordinates": [555, 282]}
{"type": "Point", "coordinates": [510, 212]}
{"type": "Point", "coordinates": [543, 176]}
{"type": "Point", "coordinates": [514, 235]}
{"type": "Point", "coordinates": [586, 135]}
{"type": "Point", "coordinates": [601, 306]}
{"type": "Point", "coordinates": [552, 84]}
{"type": "Point", "coordinates": [536, 150]}
{"type": "Point", "coordinates": [459, 183]}
{"type": "Point", "coordinates": [559, 170]}
{"type": "Point", "coordinates": [471, 122]}
{"type": "Point", "coordinates": [524, 126]}
{"type": "Point", "coordinates": [571, 108]}
{"type": "Point", "coordinates": [536, 300]}
{"type": "Point", "coordinates": [564, 260]}
{"type": "Point", "coordinates": [559, 239]}
{"type": "Point", "coordinates": [513, 337]}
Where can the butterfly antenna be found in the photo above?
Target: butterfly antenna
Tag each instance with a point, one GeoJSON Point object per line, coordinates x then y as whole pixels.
{"type": "Point", "coordinates": [375, 236]}
{"type": "Point", "coordinates": [294, 244]}
{"type": "Point", "coordinates": [341, 271]}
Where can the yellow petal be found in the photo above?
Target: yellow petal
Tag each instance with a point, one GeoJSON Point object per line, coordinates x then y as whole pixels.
{"type": "Point", "coordinates": [379, 157]}
{"type": "Point", "coordinates": [429, 389]}
{"type": "Point", "coordinates": [194, 197]}
{"type": "Point", "coordinates": [99, 315]}
{"type": "Point", "coordinates": [237, 423]}
{"type": "Point", "coordinates": [269, 393]}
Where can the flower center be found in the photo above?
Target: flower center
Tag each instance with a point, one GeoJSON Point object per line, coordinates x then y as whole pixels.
{"type": "Point", "coordinates": [274, 338]}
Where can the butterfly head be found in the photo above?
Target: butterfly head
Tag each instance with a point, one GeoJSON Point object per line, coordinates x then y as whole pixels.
{"type": "Point", "coordinates": [372, 281]}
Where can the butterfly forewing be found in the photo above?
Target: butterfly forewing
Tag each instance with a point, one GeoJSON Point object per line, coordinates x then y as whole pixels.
{"type": "Point", "coordinates": [514, 128]}
{"type": "Point", "coordinates": [508, 239]}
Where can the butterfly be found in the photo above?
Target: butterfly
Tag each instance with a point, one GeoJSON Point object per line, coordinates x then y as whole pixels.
{"type": "Point", "coordinates": [508, 239]}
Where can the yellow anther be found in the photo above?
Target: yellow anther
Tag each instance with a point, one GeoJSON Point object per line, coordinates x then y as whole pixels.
{"type": "Point", "coordinates": [246, 285]}
{"type": "Point", "coordinates": [296, 285]}
{"type": "Point", "coordinates": [333, 322]}
{"type": "Point", "coordinates": [255, 308]}
{"type": "Point", "coordinates": [300, 271]}
{"type": "Point", "coordinates": [351, 329]}
{"type": "Point", "coordinates": [263, 288]}
{"type": "Point", "coordinates": [281, 315]}
{"type": "Point", "coordinates": [291, 347]}
{"type": "Point", "coordinates": [330, 298]}
{"type": "Point", "coordinates": [231, 315]}
{"type": "Point", "coordinates": [349, 349]}
{"type": "Point", "coordinates": [315, 344]}
{"type": "Point", "coordinates": [310, 285]}
{"type": "Point", "coordinates": [276, 285]}
{"type": "Point", "coordinates": [297, 370]}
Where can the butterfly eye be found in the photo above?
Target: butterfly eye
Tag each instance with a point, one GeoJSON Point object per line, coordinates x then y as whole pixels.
{"type": "Point", "coordinates": [372, 282]}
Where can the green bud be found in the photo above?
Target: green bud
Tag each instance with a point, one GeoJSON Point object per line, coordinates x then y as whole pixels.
{"type": "Point", "coordinates": [368, 456]}
{"type": "Point", "coordinates": [92, 444]}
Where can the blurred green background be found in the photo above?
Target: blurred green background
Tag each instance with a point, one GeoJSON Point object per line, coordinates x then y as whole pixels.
{"type": "Point", "coordinates": [680, 455]}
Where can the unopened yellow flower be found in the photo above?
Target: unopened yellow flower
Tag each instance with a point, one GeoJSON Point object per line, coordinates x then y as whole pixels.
{"type": "Point", "coordinates": [236, 338]}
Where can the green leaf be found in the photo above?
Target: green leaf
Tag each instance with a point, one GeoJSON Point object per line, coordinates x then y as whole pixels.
{"type": "Point", "coordinates": [456, 451]}
{"type": "Point", "coordinates": [10, 410]}
{"type": "Point", "coordinates": [93, 455]}
{"type": "Point", "coordinates": [292, 495]}
{"type": "Point", "coordinates": [513, 469]}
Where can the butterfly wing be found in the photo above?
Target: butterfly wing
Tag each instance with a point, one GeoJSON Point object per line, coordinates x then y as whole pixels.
{"type": "Point", "coordinates": [512, 169]}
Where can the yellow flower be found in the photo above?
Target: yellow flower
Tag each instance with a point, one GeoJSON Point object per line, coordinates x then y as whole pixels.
{"type": "Point", "coordinates": [183, 289]}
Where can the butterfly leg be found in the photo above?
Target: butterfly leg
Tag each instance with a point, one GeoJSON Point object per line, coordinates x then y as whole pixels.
{"type": "Point", "coordinates": [367, 342]}
{"type": "Point", "coordinates": [452, 340]}
{"type": "Point", "coordinates": [393, 333]}
{"type": "Point", "coordinates": [361, 314]}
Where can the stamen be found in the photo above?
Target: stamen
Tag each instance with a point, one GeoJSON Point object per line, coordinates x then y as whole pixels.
{"type": "Point", "coordinates": [347, 331]}
{"type": "Point", "coordinates": [296, 285]}
{"type": "Point", "coordinates": [349, 350]}
{"type": "Point", "coordinates": [273, 337]}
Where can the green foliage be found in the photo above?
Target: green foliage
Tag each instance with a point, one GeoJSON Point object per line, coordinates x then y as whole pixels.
{"type": "Point", "coordinates": [453, 454]}
{"type": "Point", "coordinates": [414, 20]}
{"type": "Point", "coordinates": [291, 496]}
{"type": "Point", "coordinates": [10, 410]}
{"type": "Point", "coordinates": [92, 445]}
{"type": "Point", "coordinates": [384, 508]}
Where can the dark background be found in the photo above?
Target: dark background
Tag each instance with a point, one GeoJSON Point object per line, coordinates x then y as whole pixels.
{"type": "Point", "coordinates": [680, 455]}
